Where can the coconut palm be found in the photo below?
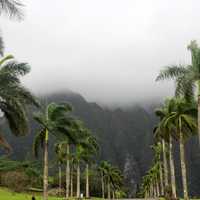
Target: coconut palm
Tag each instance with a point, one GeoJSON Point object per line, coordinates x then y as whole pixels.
{"type": "Point", "coordinates": [14, 97]}
{"type": "Point", "coordinates": [55, 120]}
{"type": "Point", "coordinates": [12, 8]}
{"type": "Point", "coordinates": [183, 118]}
{"type": "Point", "coordinates": [186, 77]}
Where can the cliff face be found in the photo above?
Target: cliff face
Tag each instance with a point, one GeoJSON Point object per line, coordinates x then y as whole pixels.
{"type": "Point", "coordinates": [125, 137]}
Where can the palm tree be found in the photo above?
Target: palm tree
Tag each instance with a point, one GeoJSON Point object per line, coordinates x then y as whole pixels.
{"type": "Point", "coordinates": [157, 159]}
{"type": "Point", "coordinates": [167, 131]}
{"type": "Point", "coordinates": [102, 170]}
{"type": "Point", "coordinates": [186, 77]}
{"type": "Point", "coordinates": [14, 97]}
{"type": "Point", "coordinates": [112, 176]}
{"type": "Point", "coordinates": [60, 154]}
{"type": "Point", "coordinates": [90, 150]}
{"type": "Point", "coordinates": [183, 118]}
{"type": "Point", "coordinates": [56, 120]}
{"type": "Point", "coordinates": [160, 137]}
{"type": "Point", "coordinates": [149, 186]}
{"type": "Point", "coordinates": [12, 8]}
{"type": "Point", "coordinates": [65, 157]}
{"type": "Point", "coordinates": [79, 150]}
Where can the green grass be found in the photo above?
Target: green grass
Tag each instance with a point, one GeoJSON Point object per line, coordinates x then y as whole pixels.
{"type": "Point", "coordinates": [6, 194]}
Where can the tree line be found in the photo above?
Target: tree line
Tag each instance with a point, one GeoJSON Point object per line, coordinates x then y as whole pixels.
{"type": "Point", "coordinates": [179, 119]}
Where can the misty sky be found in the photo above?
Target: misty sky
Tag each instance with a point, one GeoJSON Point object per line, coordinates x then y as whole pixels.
{"type": "Point", "coordinates": [110, 51]}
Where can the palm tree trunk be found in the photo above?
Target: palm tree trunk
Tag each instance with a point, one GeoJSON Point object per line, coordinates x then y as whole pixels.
{"type": "Point", "coordinates": [157, 188]}
{"type": "Point", "coordinates": [71, 182]}
{"type": "Point", "coordinates": [67, 174]}
{"type": "Point", "coordinates": [145, 195]}
{"type": "Point", "coordinates": [113, 194]}
{"type": "Point", "coordinates": [87, 181]}
{"type": "Point", "coordinates": [45, 175]}
{"type": "Point", "coordinates": [60, 179]}
{"type": "Point", "coordinates": [183, 167]}
{"type": "Point", "coordinates": [78, 181]}
{"type": "Point", "coordinates": [151, 191]}
{"type": "Point", "coordinates": [161, 180]}
{"type": "Point", "coordinates": [109, 196]}
{"type": "Point", "coordinates": [102, 186]}
{"type": "Point", "coordinates": [154, 190]}
{"type": "Point", "coordinates": [199, 110]}
{"type": "Point", "coordinates": [172, 168]}
{"type": "Point", "coordinates": [165, 163]}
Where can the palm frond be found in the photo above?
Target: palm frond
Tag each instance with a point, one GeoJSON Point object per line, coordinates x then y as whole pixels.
{"type": "Point", "coordinates": [185, 87]}
{"type": "Point", "coordinates": [15, 68]}
{"type": "Point", "coordinates": [38, 142]}
{"type": "Point", "coordinates": [12, 8]}
{"type": "Point", "coordinates": [5, 59]}
{"type": "Point", "coordinates": [16, 117]}
{"type": "Point", "coordinates": [171, 72]}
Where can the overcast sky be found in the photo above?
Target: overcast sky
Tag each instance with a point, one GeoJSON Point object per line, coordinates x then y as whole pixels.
{"type": "Point", "coordinates": [110, 51]}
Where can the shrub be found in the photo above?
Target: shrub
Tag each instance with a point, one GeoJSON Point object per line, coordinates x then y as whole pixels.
{"type": "Point", "coordinates": [17, 181]}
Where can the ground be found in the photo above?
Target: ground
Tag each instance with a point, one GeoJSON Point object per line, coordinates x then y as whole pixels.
{"type": "Point", "coordinates": [6, 194]}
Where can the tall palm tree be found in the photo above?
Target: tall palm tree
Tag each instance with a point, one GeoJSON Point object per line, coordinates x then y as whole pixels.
{"type": "Point", "coordinates": [183, 118]}
{"type": "Point", "coordinates": [78, 155]}
{"type": "Point", "coordinates": [55, 120]}
{"type": "Point", "coordinates": [86, 146]}
{"type": "Point", "coordinates": [157, 159]}
{"type": "Point", "coordinates": [14, 97]}
{"type": "Point", "coordinates": [102, 170]}
{"type": "Point", "coordinates": [186, 77]}
{"type": "Point", "coordinates": [12, 8]}
{"type": "Point", "coordinates": [149, 187]}
{"type": "Point", "coordinates": [65, 157]}
{"type": "Point", "coordinates": [167, 132]}
{"type": "Point", "coordinates": [90, 149]}
{"type": "Point", "coordinates": [60, 154]}
{"type": "Point", "coordinates": [112, 176]}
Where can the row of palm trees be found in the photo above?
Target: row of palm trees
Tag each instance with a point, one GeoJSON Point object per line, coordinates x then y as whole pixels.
{"type": "Point", "coordinates": [178, 120]}
{"type": "Point", "coordinates": [72, 156]}
{"type": "Point", "coordinates": [76, 146]}
{"type": "Point", "coordinates": [111, 178]}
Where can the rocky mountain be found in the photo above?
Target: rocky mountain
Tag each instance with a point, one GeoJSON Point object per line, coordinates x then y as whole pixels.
{"type": "Point", "coordinates": [125, 136]}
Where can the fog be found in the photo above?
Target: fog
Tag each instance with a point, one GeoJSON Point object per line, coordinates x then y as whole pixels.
{"type": "Point", "coordinates": [110, 51]}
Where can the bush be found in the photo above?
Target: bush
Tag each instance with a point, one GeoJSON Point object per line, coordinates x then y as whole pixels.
{"type": "Point", "coordinates": [17, 181]}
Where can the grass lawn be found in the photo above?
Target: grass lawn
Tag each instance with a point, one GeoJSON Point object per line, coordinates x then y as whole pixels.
{"type": "Point", "coordinates": [5, 194]}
